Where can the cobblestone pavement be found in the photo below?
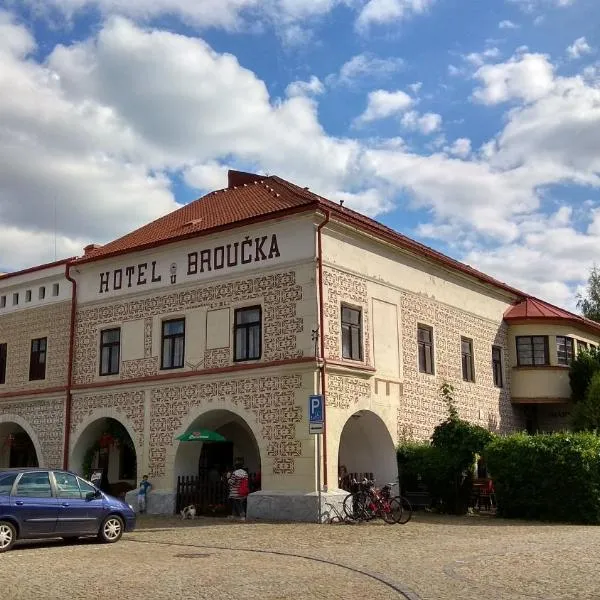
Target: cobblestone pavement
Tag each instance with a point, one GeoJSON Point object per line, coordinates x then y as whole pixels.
{"type": "Point", "coordinates": [432, 557]}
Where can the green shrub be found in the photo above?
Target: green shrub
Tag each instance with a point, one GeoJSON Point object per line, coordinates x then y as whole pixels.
{"type": "Point", "coordinates": [581, 371]}
{"type": "Point", "coordinates": [586, 414]}
{"type": "Point", "coordinates": [549, 477]}
{"type": "Point", "coordinates": [446, 465]}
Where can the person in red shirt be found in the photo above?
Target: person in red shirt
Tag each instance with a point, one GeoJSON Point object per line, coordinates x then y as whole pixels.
{"type": "Point", "coordinates": [238, 491]}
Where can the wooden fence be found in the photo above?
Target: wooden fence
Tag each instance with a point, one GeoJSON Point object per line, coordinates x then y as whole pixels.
{"type": "Point", "coordinates": [209, 497]}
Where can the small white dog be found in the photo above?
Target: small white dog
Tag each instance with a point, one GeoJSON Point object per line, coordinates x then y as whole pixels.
{"type": "Point", "coordinates": [189, 512]}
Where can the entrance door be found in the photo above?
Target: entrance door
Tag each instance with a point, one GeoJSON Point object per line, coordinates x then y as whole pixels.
{"type": "Point", "coordinates": [217, 455]}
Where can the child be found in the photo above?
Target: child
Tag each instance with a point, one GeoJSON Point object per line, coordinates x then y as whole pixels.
{"type": "Point", "coordinates": [145, 486]}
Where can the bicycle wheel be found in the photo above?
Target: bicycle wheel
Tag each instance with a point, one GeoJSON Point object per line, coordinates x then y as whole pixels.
{"type": "Point", "coordinates": [406, 510]}
{"type": "Point", "coordinates": [354, 506]}
{"type": "Point", "coordinates": [392, 511]}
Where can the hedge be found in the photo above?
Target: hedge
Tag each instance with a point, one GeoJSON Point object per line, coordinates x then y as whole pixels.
{"type": "Point", "coordinates": [548, 477]}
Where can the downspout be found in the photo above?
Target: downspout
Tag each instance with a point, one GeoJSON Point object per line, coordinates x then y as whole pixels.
{"type": "Point", "coordinates": [70, 366]}
{"type": "Point", "coordinates": [322, 342]}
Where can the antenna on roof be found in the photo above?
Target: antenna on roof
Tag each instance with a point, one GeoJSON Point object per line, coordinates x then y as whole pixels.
{"type": "Point", "coordinates": [54, 228]}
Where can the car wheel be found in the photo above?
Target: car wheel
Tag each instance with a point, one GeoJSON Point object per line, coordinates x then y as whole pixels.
{"type": "Point", "coordinates": [8, 536]}
{"type": "Point", "coordinates": [111, 530]}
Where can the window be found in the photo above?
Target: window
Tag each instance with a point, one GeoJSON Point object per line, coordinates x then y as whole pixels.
{"type": "Point", "coordinates": [2, 301]}
{"type": "Point", "coordinates": [247, 333]}
{"type": "Point", "coordinates": [55, 289]}
{"type": "Point", "coordinates": [564, 349]}
{"type": "Point", "coordinates": [425, 344]}
{"type": "Point", "coordinates": [37, 360]}
{"type": "Point", "coordinates": [34, 485]}
{"type": "Point", "coordinates": [67, 485]}
{"type": "Point", "coordinates": [532, 350]}
{"type": "Point", "coordinates": [28, 296]}
{"type": "Point", "coordinates": [110, 346]}
{"type": "Point", "coordinates": [6, 484]}
{"type": "Point", "coordinates": [15, 298]}
{"type": "Point", "coordinates": [173, 344]}
{"type": "Point", "coordinates": [3, 351]}
{"type": "Point", "coordinates": [581, 346]}
{"type": "Point", "coordinates": [497, 366]}
{"type": "Point", "coordinates": [85, 487]}
{"type": "Point", "coordinates": [351, 333]}
{"type": "Point", "coordinates": [468, 368]}
{"type": "Point", "coordinates": [42, 293]}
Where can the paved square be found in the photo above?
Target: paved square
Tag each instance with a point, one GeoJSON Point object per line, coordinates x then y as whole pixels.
{"type": "Point", "coordinates": [432, 557]}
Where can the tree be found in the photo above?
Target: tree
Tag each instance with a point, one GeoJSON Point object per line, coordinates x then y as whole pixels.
{"type": "Point", "coordinates": [589, 304]}
{"type": "Point", "coordinates": [583, 367]}
{"type": "Point", "coordinates": [586, 414]}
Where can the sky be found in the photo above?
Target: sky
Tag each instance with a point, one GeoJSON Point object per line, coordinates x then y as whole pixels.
{"type": "Point", "coordinates": [472, 126]}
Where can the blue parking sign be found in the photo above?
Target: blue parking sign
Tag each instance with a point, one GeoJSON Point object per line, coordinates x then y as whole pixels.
{"type": "Point", "coordinates": [315, 409]}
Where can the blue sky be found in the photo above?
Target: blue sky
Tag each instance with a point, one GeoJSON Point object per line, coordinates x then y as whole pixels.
{"type": "Point", "coordinates": [471, 126]}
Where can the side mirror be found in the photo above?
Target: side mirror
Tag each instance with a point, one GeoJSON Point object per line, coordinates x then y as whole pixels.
{"type": "Point", "coordinates": [92, 495]}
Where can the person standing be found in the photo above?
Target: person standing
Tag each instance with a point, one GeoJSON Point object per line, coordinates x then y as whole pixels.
{"type": "Point", "coordinates": [238, 491]}
{"type": "Point", "coordinates": [143, 490]}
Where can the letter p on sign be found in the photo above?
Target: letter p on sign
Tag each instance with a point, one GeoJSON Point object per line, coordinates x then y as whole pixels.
{"type": "Point", "coordinates": [315, 409]}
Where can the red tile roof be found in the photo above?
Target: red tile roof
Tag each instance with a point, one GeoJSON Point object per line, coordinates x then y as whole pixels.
{"type": "Point", "coordinates": [251, 198]}
{"type": "Point", "coordinates": [532, 309]}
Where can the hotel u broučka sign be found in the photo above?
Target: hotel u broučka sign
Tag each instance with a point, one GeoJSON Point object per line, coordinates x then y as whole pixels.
{"type": "Point", "coordinates": [247, 251]}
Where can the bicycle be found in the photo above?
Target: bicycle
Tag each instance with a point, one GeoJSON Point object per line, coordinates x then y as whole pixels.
{"type": "Point", "coordinates": [337, 517]}
{"type": "Point", "coordinates": [367, 502]}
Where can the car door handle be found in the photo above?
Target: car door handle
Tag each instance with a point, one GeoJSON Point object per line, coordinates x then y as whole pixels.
{"type": "Point", "coordinates": [66, 504]}
{"type": "Point", "coordinates": [19, 502]}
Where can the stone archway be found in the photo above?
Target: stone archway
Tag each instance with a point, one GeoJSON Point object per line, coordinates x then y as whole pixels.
{"type": "Point", "coordinates": [366, 446]}
{"type": "Point", "coordinates": [18, 446]}
{"type": "Point", "coordinates": [192, 457]}
{"type": "Point", "coordinates": [105, 444]}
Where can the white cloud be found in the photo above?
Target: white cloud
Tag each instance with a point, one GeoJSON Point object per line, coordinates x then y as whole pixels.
{"type": "Point", "coordinates": [382, 104]}
{"type": "Point", "coordinates": [379, 12]}
{"type": "Point", "coordinates": [365, 66]}
{"type": "Point", "coordinates": [527, 77]}
{"type": "Point", "coordinates": [507, 24]}
{"type": "Point", "coordinates": [80, 127]}
{"type": "Point", "coordinates": [479, 58]}
{"type": "Point", "coordinates": [305, 88]}
{"type": "Point", "coordinates": [530, 6]}
{"type": "Point", "coordinates": [425, 123]}
{"type": "Point", "coordinates": [579, 48]}
{"type": "Point", "coordinates": [461, 148]}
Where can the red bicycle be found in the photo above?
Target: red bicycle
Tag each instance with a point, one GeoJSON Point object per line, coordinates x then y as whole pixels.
{"type": "Point", "coordinates": [367, 502]}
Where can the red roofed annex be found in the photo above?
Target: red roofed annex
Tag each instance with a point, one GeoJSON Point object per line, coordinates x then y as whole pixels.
{"type": "Point", "coordinates": [229, 314]}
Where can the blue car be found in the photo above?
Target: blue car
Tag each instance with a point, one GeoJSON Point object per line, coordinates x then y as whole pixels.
{"type": "Point", "coordinates": [48, 503]}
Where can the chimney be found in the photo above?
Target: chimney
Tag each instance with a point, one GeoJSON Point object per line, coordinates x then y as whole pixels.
{"type": "Point", "coordinates": [90, 248]}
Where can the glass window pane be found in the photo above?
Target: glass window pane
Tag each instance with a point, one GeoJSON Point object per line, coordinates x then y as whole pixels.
{"type": "Point", "coordinates": [6, 484]}
{"type": "Point", "coordinates": [105, 360]}
{"type": "Point", "coordinates": [247, 315]}
{"type": "Point", "coordinates": [114, 360]}
{"type": "Point", "coordinates": [166, 354]}
{"type": "Point", "coordinates": [85, 487]}
{"type": "Point", "coordinates": [66, 485]}
{"type": "Point", "coordinates": [34, 485]}
{"type": "Point", "coordinates": [254, 342]}
{"type": "Point", "coordinates": [173, 327]}
{"type": "Point", "coordinates": [240, 344]}
{"type": "Point", "coordinates": [424, 335]}
{"type": "Point", "coordinates": [355, 335]}
{"type": "Point", "coordinates": [178, 352]}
